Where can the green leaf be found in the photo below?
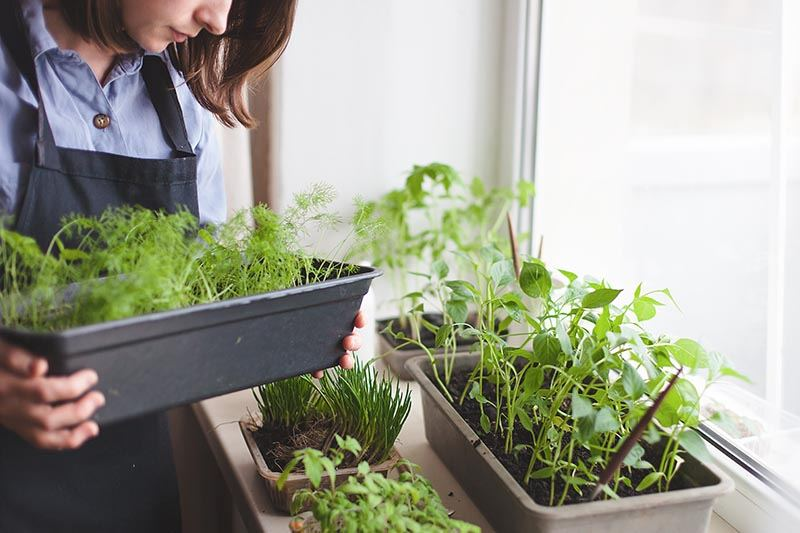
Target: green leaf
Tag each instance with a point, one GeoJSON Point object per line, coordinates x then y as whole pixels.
{"type": "Point", "coordinates": [599, 298]}
{"type": "Point", "coordinates": [475, 393]}
{"type": "Point", "coordinates": [462, 290]}
{"type": "Point", "coordinates": [634, 456]}
{"type": "Point", "coordinates": [543, 473]}
{"type": "Point", "coordinates": [569, 275]}
{"type": "Point", "coordinates": [648, 480]}
{"type": "Point", "coordinates": [603, 324]}
{"type": "Point", "coordinates": [693, 443]}
{"type": "Point", "coordinates": [572, 480]}
{"type": "Point", "coordinates": [535, 280]}
{"type": "Point", "coordinates": [525, 191]}
{"type": "Point", "coordinates": [546, 348]}
{"type": "Point", "coordinates": [534, 377]}
{"type": "Point", "coordinates": [632, 382]}
{"type": "Point", "coordinates": [440, 269]}
{"type": "Point", "coordinates": [457, 310]}
{"type": "Point", "coordinates": [728, 371]}
{"type": "Point", "coordinates": [605, 420]}
{"type": "Point", "coordinates": [524, 419]}
{"type": "Point", "coordinates": [363, 468]}
{"type": "Point", "coordinates": [643, 309]}
{"type": "Point", "coordinates": [485, 424]}
{"type": "Point", "coordinates": [286, 471]}
{"type": "Point", "coordinates": [689, 353]}
{"type": "Point", "coordinates": [502, 272]}
{"type": "Point", "coordinates": [442, 334]}
{"type": "Point", "coordinates": [477, 188]}
{"type": "Point", "coordinates": [490, 255]}
{"type": "Point", "coordinates": [313, 469]}
{"type": "Point", "coordinates": [581, 406]}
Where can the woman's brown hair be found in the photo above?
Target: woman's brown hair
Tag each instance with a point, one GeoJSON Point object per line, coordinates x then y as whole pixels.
{"type": "Point", "coordinates": [217, 67]}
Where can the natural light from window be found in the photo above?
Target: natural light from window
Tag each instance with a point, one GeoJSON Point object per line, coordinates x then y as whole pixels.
{"type": "Point", "coordinates": [669, 153]}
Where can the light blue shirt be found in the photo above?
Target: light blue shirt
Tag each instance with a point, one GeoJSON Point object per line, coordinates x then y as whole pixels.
{"type": "Point", "coordinates": [73, 96]}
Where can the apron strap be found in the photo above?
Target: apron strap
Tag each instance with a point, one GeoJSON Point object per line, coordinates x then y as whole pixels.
{"type": "Point", "coordinates": [165, 100]}
{"type": "Point", "coordinates": [15, 39]}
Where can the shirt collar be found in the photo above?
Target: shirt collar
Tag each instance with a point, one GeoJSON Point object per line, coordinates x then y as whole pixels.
{"type": "Point", "coordinates": [41, 41]}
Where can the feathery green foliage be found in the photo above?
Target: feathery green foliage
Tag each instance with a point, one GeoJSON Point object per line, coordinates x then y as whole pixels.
{"type": "Point", "coordinates": [131, 261]}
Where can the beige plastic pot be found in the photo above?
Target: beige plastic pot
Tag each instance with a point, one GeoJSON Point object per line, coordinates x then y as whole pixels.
{"type": "Point", "coordinates": [508, 506]}
{"type": "Point", "coordinates": [282, 499]}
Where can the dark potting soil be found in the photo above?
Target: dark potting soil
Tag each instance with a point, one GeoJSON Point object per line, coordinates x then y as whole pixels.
{"type": "Point", "coordinates": [278, 444]}
{"type": "Point", "coordinates": [539, 489]}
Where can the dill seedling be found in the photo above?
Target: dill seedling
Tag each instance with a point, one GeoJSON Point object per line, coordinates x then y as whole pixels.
{"type": "Point", "coordinates": [131, 261]}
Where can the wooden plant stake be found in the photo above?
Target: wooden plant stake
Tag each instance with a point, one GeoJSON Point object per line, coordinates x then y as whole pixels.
{"type": "Point", "coordinates": [619, 456]}
{"type": "Point", "coordinates": [514, 248]}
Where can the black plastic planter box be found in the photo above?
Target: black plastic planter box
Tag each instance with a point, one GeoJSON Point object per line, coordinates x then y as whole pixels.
{"type": "Point", "coordinates": [156, 361]}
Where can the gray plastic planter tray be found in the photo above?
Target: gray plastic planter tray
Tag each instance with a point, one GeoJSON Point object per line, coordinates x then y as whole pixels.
{"type": "Point", "coordinates": [510, 509]}
{"type": "Point", "coordinates": [396, 359]}
{"type": "Point", "coordinates": [152, 362]}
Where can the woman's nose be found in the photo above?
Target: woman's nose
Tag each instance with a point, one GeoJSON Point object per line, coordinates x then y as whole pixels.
{"type": "Point", "coordinates": [213, 16]}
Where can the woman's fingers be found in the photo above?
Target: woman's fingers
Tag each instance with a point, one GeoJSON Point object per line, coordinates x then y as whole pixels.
{"type": "Point", "coordinates": [66, 415]}
{"type": "Point", "coordinates": [360, 320]}
{"type": "Point", "coordinates": [56, 388]}
{"type": "Point", "coordinates": [21, 362]}
{"type": "Point", "coordinates": [352, 342]}
{"type": "Point", "coordinates": [346, 361]}
{"type": "Point", "coordinates": [62, 439]}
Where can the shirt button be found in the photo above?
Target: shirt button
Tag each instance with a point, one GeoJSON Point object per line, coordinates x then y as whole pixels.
{"type": "Point", "coordinates": [101, 121]}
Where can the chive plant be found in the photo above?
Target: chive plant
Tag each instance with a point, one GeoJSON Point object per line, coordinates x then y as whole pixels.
{"type": "Point", "coordinates": [358, 403]}
{"type": "Point", "coordinates": [564, 391]}
{"type": "Point", "coordinates": [130, 261]}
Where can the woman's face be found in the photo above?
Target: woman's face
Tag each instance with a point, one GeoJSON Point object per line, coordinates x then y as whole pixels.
{"type": "Point", "coordinates": [154, 24]}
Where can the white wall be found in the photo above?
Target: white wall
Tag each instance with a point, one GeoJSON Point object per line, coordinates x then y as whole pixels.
{"type": "Point", "coordinates": [370, 87]}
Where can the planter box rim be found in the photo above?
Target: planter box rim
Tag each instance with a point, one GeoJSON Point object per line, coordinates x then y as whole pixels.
{"type": "Point", "coordinates": [246, 424]}
{"type": "Point", "coordinates": [362, 272]}
{"type": "Point", "coordinates": [598, 507]}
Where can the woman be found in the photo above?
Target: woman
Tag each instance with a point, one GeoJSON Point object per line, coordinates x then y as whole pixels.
{"type": "Point", "coordinates": [97, 113]}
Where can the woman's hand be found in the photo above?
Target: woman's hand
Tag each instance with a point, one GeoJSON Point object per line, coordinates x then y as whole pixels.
{"type": "Point", "coordinates": [27, 396]}
{"type": "Point", "coordinates": [350, 343]}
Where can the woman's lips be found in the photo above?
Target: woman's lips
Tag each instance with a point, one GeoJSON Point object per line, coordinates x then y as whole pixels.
{"type": "Point", "coordinates": [178, 37]}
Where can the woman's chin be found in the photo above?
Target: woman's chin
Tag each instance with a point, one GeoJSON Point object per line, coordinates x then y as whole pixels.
{"type": "Point", "coordinates": [153, 45]}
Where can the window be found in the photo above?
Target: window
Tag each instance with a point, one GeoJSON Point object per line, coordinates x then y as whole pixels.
{"type": "Point", "coordinates": [668, 152]}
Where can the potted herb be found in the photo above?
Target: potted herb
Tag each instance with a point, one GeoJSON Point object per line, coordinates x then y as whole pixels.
{"type": "Point", "coordinates": [432, 226]}
{"type": "Point", "coordinates": [297, 413]}
{"type": "Point", "coordinates": [531, 421]}
{"type": "Point", "coordinates": [366, 501]}
{"type": "Point", "coordinates": [165, 317]}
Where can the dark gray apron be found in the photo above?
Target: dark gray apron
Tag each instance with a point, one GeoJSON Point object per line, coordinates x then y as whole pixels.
{"type": "Point", "coordinates": [123, 480]}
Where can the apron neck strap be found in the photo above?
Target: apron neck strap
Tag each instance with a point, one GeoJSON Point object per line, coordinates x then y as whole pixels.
{"type": "Point", "coordinates": [165, 100]}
